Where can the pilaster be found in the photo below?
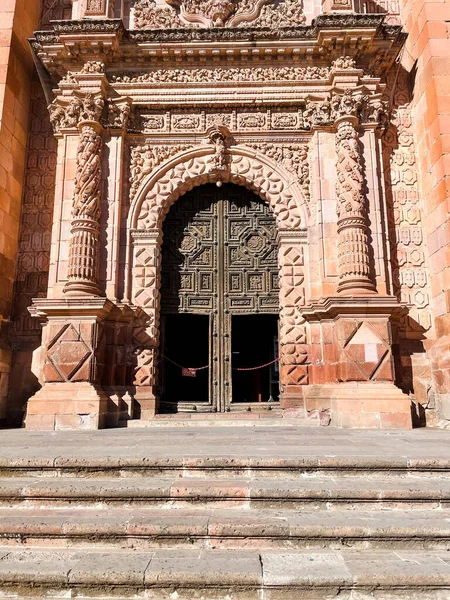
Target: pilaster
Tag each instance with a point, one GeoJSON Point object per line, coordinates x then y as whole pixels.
{"type": "Point", "coordinates": [350, 333]}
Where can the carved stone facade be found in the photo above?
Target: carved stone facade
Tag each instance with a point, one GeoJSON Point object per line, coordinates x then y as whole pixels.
{"type": "Point", "coordinates": [301, 103]}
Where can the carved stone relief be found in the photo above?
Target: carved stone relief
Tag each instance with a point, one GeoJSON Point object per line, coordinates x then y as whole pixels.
{"type": "Point", "coordinates": [293, 157]}
{"type": "Point", "coordinates": [83, 264]}
{"type": "Point", "coordinates": [55, 10]}
{"type": "Point", "coordinates": [410, 268]}
{"type": "Point", "coordinates": [243, 170]}
{"type": "Point", "coordinates": [353, 246]}
{"type": "Point", "coordinates": [293, 348]}
{"type": "Point", "coordinates": [233, 74]}
{"type": "Point", "coordinates": [36, 220]}
{"type": "Point", "coordinates": [218, 13]}
{"type": "Point", "coordinates": [68, 114]}
{"type": "Point", "coordinates": [144, 159]}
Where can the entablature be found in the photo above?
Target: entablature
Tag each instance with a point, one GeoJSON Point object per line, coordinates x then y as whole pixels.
{"type": "Point", "coordinates": [373, 44]}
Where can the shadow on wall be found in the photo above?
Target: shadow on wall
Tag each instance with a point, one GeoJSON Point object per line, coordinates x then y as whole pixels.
{"type": "Point", "coordinates": [406, 239]}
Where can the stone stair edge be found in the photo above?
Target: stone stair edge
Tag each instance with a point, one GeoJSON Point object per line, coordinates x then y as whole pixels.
{"type": "Point", "coordinates": [223, 462]}
{"type": "Point", "coordinates": [208, 569]}
{"type": "Point", "coordinates": [318, 488]}
{"type": "Point", "coordinates": [225, 523]}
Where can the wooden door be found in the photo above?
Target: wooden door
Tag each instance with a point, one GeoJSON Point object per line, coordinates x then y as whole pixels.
{"type": "Point", "coordinates": [219, 257]}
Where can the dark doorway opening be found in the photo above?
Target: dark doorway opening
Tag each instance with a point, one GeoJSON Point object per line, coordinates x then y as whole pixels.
{"type": "Point", "coordinates": [185, 346]}
{"type": "Point", "coordinates": [254, 342]}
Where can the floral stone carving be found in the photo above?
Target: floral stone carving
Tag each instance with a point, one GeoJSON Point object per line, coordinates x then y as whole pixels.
{"type": "Point", "coordinates": [218, 13]}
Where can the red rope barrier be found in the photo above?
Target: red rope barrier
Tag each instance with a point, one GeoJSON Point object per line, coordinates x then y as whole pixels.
{"type": "Point", "coordinates": [256, 368]}
{"type": "Point", "coordinates": [233, 368]}
{"type": "Point", "coordinates": [187, 368]}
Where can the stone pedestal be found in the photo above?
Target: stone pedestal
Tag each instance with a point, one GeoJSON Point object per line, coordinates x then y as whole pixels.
{"type": "Point", "coordinates": [73, 359]}
{"type": "Point", "coordinates": [351, 370]}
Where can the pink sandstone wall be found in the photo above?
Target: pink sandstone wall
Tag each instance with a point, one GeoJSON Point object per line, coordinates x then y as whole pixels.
{"type": "Point", "coordinates": [18, 19]}
{"type": "Point", "coordinates": [428, 54]}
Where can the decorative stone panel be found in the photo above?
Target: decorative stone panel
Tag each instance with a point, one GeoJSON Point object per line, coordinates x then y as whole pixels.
{"type": "Point", "coordinates": [254, 174]}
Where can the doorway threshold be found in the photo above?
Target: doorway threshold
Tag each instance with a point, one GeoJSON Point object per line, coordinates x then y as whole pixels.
{"type": "Point", "coordinates": [229, 419]}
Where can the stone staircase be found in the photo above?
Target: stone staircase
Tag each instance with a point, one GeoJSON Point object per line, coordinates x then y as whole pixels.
{"type": "Point", "coordinates": [223, 526]}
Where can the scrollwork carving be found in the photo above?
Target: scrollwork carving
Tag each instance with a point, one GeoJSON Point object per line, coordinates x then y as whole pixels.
{"type": "Point", "coordinates": [93, 67]}
{"type": "Point", "coordinates": [86, 202]}
{"type": "Point", "coordinates": [344, 62]}
{"type": "Point", "coordinates": [218, 13]}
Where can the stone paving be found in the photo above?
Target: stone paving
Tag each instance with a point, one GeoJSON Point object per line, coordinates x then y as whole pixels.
{"type": "Point", "coordinates": [264, 443]}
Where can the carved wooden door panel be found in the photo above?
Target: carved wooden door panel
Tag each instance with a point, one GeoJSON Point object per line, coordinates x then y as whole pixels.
{"type": "Point", "coordinates": [219, 257]}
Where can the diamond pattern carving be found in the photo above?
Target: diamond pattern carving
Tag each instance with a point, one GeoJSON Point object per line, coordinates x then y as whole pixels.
{"type": "Point", "coordinates": [67, 353]}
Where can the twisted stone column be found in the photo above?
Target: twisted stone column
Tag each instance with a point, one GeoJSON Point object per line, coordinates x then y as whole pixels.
{"type": "Point", "coordinates": [353, 243]}
{"type": "Point", "coordinates": [83, 266]}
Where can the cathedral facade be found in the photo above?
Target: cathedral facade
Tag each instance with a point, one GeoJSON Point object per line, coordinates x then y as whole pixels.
{"type": "Point", "coordinates": [226, 206]}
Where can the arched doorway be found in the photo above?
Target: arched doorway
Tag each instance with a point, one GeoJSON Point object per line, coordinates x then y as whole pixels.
{"type": "Point", "coordinates": [219, 301]}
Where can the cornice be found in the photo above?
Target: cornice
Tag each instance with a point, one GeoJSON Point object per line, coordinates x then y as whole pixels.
{"type": "Point", "coordinates": [71, 43]}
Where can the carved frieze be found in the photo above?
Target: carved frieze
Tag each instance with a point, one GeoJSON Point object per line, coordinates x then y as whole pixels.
{"type": "Point", "coordinates": [230, 74]}
{"type": "Point", "coordinates": [174, 14]}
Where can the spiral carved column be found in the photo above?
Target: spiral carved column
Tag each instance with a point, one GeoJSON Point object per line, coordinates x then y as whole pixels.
{"type": "Point", "coordinates": [83, 265]}
{"type": "Point", "coordinates": [353, 245]}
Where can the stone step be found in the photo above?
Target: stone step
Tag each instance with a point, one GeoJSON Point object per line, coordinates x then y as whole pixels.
{"type": "Point", "coordinates": [81, 464]}
{"type": "Point", "coordinates": [302, 492]}
{"type": "Point", "coordinates": [221, 574]}
{"type": "Point", "coordinates": [214, 528]}
{"type": "Point", "coordinates": [244, 419]}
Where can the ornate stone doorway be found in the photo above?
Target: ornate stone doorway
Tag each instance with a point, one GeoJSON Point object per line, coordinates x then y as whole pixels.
{"type": "Point", "coordinates": [219, 260]}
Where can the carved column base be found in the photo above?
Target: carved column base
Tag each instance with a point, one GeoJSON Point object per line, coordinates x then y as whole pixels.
{"type": "Point", "coordinates": [83, 259]}
{"type": "Point", "coordinates": [73, 363]}
{"type": "Point", "coordinates": [351, 371]}
{"type": "Point", "coordinates": [70, 406]}
{"type": "Point", "coordinates": [357, 288]}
